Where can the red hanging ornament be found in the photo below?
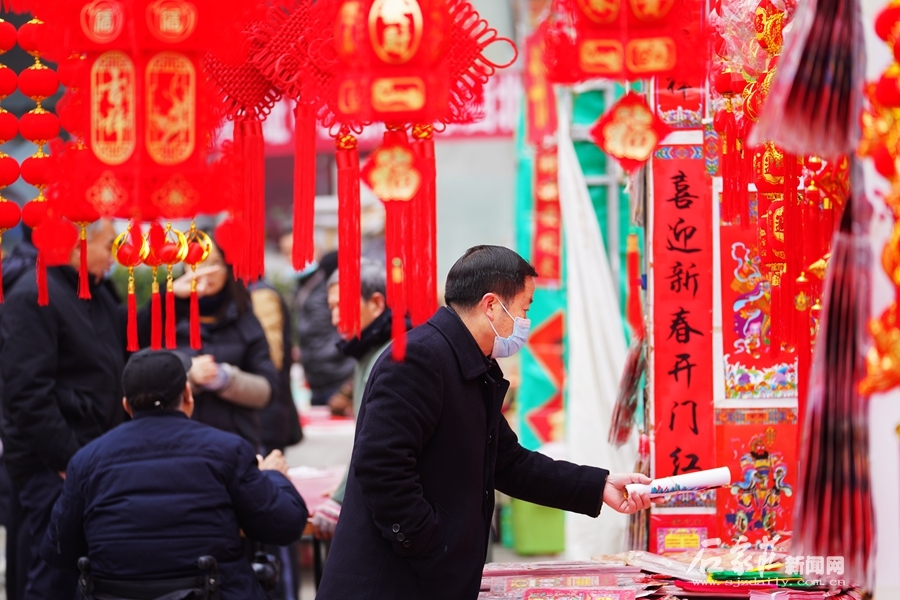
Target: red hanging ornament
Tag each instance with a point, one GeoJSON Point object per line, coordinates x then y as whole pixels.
{"type": "Point", "coordinates": [55, 239]}
{"type": "Point", "coordinates": [423, 288]}
{"type": "Point", "coordinates": [173, 250]}
{"type": "Point", "coordinates": [630, 132]}
{"type": "Point", "coordinates": [199, 247]}
{"type": "Point", "coordinates": [304, 247]}
{"type": "Point", "coordinates": [349, 233]}
{"type": "Point", "coordinates": [130, 255]}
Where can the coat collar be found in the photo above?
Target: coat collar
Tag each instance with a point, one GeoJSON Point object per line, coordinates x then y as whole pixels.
{"type": "Point", "coordinates": [472, 362]}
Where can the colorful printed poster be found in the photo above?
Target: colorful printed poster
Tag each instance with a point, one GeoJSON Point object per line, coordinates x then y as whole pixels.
{"type": "Point", "coordinates": [682, 311]}
{"type": "Point", "coordinates": [680, 532]}
{"type": "Point", "coordinates": [580, 594]}
{"type": "Point", "coordinates": [546, 254]}
{"type": "Point", "coordinates": [759, 446]}
{"type": "Point", "coordinates": [510, 584]}
{"type": "Point", "coordinates": [751, 371]}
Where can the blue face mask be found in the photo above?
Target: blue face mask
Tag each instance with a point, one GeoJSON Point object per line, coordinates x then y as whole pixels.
{"type": "Point", "coordinates": [507, 346]}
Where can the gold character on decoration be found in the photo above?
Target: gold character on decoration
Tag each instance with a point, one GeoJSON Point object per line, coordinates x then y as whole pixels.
{"type": "Point", "coordinates": [395, 176]}
{"type": "Point", "coordinates": [602, 12]}
{"type": "Point", "coordinates": [603, 57]}
{"type": "Point", "coordinates": [171, 110]}
{"type": "Point", "coordinates": [172, 21]}
{"type": "Point", "coordinates": [538, 94]}
{"type": "Point", "coordinates": [102, 21]}
{"type": "Point", "coordinates": [113, 134]}
{"type": "Point", "coordinates": [395, 28]}
{"type": "Point", "coordinates": [398, 94]}
{"type": "Point", "coordinates": [651, 10]}
{"type": "Point", "coordinates": [630, 133]}
{"type": "Point", "coordinates": [346, 29]}
{"type": "Point", "coordinates": [650, 54]}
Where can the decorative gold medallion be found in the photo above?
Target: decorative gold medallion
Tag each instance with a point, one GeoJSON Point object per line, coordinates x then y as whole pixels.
{"type": "Point", "coordinates": [107, 195]}
{"type": "Point", "coordinates": [171, 108]}
{"type": "Point", "coordinates": [603, 57]}
{"type": "Point", "coordinates": [113, 134]}
{"type": "Point", "coordinates": [394, 176]}
{"type": "Point", "coordinates": [172, 21]}
{"type": "Point", "coordinates": [398, 94]}
{"type": "Point", "coordinates": [102, 21]}
{"type": "Point", "coordinates": [601, 12]}
{"type": "Point", "coordinates": [630, 133]}
{"type": "Point", "coordinates": [395, 30]}
{"type": "Point", "coordinates": [650, 55]}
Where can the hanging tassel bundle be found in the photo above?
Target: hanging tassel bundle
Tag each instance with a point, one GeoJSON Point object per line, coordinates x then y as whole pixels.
{"type": "Point", "coordinates": [304, 246]}
{"type": "Point", "coordinates": [834, 469]}
{"type": "Point", "coordinates": [349, 232]}
{"type": "Point", "coordinates": [396, 285]}
{"type": "Point", "coordinates": [84, 288]}
{"type": "Point", "coordinates": [133, 345]}
{"type": "Point", "coordinates": [171, 342]}
{"type": "Point", "coordinates": [423, 288]}
{"type": "Point", "coordinates": [816, 95]}
{"type": "Point", "coordinates": [40, 267]}
{"type": "Point", "coordinates": [196, 342]}
{"type": "Point", "coordinates": [249, 264]}
{"type": "Point", "coordinates": [199, 246]}
{"type": "Point", "coordinates": [155, 315]}
{"type": "Point", "coordinates": [130, 250]}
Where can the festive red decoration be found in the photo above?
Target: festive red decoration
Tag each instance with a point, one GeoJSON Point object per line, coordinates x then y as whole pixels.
{"type": "Point", "coordinates": [9, 126]}
{"type": "Point", "coordinates": [8, 36]}
{"type": "Point", "coordinates": [198, 247]}
{"type": "Point", "coordinates": [34, 213]}
{"type": "Point", "coordinates": [9, 170]}
{"type": "Point", "coordinates": [38, 82]}
{"type": "Point", "coordinates": [8, 81]}
{"type": "Point", "coordinates": [130, 249]}
{"type": "Point", "coordinates": [55, 239]}
{"type": "Point", "coordinates": [39, 125]}
{"type": "Point", "coordinates": [9, 218]}
{"type": "Point", "coordinates": [630, 132]}
{"type": "Point", "coordinates": [350, 243]}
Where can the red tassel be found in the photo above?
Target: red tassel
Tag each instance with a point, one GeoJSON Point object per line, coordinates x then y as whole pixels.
{"type": "Point", "coordinates": [349, 240]}
{"type": "Point", "coordinates": [248, 139]}
{"type": "Point", "coordinates": [41, 268]}
{"type": "Point", "coordinates": [195, 317]}
{"type": "Point", "coordinates": [133, 345]}
{"type": "Point", "coordinates": [1, 272]}
{"type": "Point", "coordinates": [634, 314]}
{"type": "Point", "coordinates": [423, 287]}
{"type": "Point", "coordinates": [398, 309]}
{"type": "Point", "coordinates": [171, 342]}
{"type": "Point", "coordinates": [155, 315]}
{"type": "Point", "coordinates": [84, 287]}
{"type": "Point", "coordinates": [304, 185]}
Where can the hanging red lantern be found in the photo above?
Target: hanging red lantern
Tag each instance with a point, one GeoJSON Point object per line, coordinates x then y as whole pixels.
{"type": "Point", "coordinates": [55, 239]}
{"type": "Point", "coordinates": [39, 125]}
{"type": "Point", "coordinates": [199, 247]}
{"type": "Point", "coordinates": [9, 170]}
{"type": "Point", "coordinates": [130, 255]}
{"type": "Point", "coordinates": [29, 36]}
{"type": "Point", "coordinates": [8, 35]}
{"type": "Point", "coordinates": [38, 82]}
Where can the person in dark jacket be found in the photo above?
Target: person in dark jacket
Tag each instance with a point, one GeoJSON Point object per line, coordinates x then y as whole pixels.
{"type": "Point", "coordinates": [61, 368]}
{"type": "Point", "coordinates": [149, 498]}
{"type": "Point", "coordinates": [233, 377]}
{"type": "Point", "coordinates": [326, 368]}
{"type": "Point", "coordinates": [19, 261]}
{"type": "Point", "coordinates": [432, 445]}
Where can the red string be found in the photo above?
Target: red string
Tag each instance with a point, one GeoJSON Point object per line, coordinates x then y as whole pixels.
{"type": "Point", "coordinates": [41, 268]}
{"type": "Point", "coordinates": [1, 278]}
{"type": "Point", "coordinates": [423, 245]}
{"type": "Point", "coordinates": [84, 288]}
{"type": "Point", "coordinates": [155, 316]}
{"type": "Point", "coordinates": [304, 185]}
{"type": "Point", "coordinates": [349, 240]}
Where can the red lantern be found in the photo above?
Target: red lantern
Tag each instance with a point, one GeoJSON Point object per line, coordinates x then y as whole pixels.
{"type": "Point", "coordinates": [34, 213]}
{"type": "Point", "coordinates": [886, 23]}
{"type": "Point", "coordinates": [9, 170]}
{"type": "Point", "coordinates": [29, 35]}
{"type": "Point", "coordinates": [8, 81]}
{"type": "Point", "coordinates": [38, 82]}
{"type": "Point", "coordinates": [55, 238]}
{"type": "Point", "coordinates": [887, 91]}
{"type": "Point", "coordinates": [9, 126]}
{"type": "Point", "coordinates": [9, 215]}
{"type": "Point", "coordinates": [38, 169]}
{"type": "Point", "coordinates": [39, 126]}
{"type": "Point", "coordinates": [8, 36]}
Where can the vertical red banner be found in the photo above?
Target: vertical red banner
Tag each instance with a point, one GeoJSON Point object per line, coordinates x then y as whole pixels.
{"type": "Point", "coordinates": [682, 311]}
{"type": "Point", "coordinates": [547, 241]}
{"type": "Point", "coordinates": [541, 110]}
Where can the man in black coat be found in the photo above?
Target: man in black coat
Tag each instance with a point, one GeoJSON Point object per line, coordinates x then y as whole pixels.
{"type": "Point", "coordinates": [432, 445]}
{"type": "Point", "coordinates": [61, 368]}
{"type": "Point", "coordinates": [148, 499]}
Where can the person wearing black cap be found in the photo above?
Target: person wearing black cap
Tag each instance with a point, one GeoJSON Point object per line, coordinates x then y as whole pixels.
{"type": "Point", "coordinates": [146, 500]}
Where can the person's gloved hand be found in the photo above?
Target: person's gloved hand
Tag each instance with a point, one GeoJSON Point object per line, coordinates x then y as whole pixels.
{"type": "Point", "coordinates": [325, 519]}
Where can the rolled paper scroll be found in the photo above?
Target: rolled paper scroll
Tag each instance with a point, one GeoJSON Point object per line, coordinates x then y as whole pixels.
{"type": "Point", "coordinates": [689, 482]}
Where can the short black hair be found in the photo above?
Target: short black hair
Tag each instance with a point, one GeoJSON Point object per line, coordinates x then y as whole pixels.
{"type": "Point", "coordinates": [485, 269]}
{"type": "Point", "coordinates": [150, 400]}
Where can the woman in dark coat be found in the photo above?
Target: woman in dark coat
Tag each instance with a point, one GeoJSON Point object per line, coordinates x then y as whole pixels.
{"type": "Point", "coordinates": [232, 375]}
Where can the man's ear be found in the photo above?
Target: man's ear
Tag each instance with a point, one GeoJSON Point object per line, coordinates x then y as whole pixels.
{"type": "Point", "coordinates": [127, 407]}
{"type": "Point", "coordinates": [379, 302]}
{"type": "Point", "coordinates": [487, 305]}
{"type": "Point", "coordinates": [187, 400]}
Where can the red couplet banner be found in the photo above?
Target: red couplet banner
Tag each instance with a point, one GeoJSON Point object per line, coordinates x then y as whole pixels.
{"type": "Point", "coordinates": [682, 311]}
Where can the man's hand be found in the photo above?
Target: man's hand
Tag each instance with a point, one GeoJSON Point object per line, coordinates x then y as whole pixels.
{"type": "Point", "coordinates": [204, 370]}
{"type": "Point", "coordinates": [273, 462]}
{"type": "Point", "coordinates": [614, 493]}
{"type": "Point", "coordinates": [325, 519]}
{"type": "Point", "coordinates": [181, 287]}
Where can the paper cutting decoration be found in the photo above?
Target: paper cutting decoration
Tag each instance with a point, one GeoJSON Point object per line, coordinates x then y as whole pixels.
{"type": "Point", "coordinates": [630, 132]}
